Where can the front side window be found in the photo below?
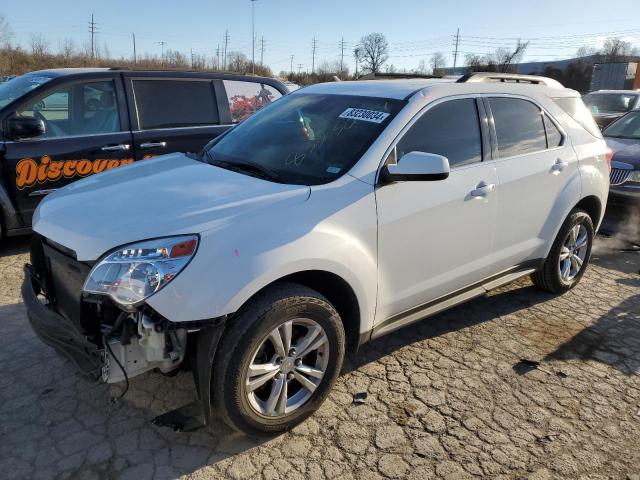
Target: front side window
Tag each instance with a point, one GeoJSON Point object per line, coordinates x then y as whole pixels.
{"type": "Point", "coordinates": [78, 109]}
{"type": "Point", "coordinates": [306, 139]}
{"type": "Point", "coordinates": [175, 103]}
{"type": "Point", "coordinates": [610, 102]}
{"type": "Point", "coordinates": [519, 126]}
{"type": "Point", "coordinates": [450, 129]}
{"type": "Point", "coordinates": [246, 98]}
{"type": "Point", "coordinates": [625, 127]}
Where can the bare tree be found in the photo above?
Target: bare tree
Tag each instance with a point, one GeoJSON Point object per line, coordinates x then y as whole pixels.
{"type": "Point", "coordinates": [422, 68]}
{"type": "Point", "coordinates": [39, 46]}
{"type": "Point", "coordinates": [437, 63]}
{"type": "Point", "coordinates": [505, 58]}
{"type": "Point", "coordinates": [5, 31]}
{"type": "Point", "coordinates": [585, 51]}
{"type": "Point", "coordinates": [617, 50]}
{"type": "Point", "coordinates": [375, 50]}
{"type": "Point", "coordinates": [67, 49]}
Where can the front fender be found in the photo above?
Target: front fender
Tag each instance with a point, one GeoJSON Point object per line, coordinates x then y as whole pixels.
{"type": "Point", "coordinates": [334, 231]}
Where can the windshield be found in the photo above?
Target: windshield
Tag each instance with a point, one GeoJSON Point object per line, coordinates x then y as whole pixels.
{"type": "Point", "coordinates": [18, 86]}
{"type": "Point", "coordinates": [610, 102]}
{"type": "Point", "coordinates": [625, 127]}
{"type": "Point", "coordinates": [306, 139]}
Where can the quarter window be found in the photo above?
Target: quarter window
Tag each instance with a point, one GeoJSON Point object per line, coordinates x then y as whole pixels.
{"type": "Point", "coordinates": [451, 129]}
{"type": "Point", "coordinates": [519, 126]}
{"type": "Point", "coordinates": [554, 137]}
{"type": "Point", "coordinates": [79, 109]}
{"type": "Point", "coordinates": [175, 103]}
{"type": "Point", "coordinates": [247, 97]}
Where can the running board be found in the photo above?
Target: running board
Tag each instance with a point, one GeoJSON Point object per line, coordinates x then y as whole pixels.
{"type": "Point", "coordinates": [443, 303]}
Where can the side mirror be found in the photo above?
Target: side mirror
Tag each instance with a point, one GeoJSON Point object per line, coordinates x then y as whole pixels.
{"type": "Point", "coordinates": [417, 166]}
{"type": "Point", "coordinates": [25, 127]}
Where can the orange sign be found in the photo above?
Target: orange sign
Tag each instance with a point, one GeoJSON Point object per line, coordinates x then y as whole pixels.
{"type": "Point", "coordinates": [29, 172]}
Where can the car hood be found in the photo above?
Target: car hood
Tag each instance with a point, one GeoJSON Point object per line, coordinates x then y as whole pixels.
{"type": "Point", "coordinates": [625, 150]}
{"type": "Point", "coordinates": [167, 195]}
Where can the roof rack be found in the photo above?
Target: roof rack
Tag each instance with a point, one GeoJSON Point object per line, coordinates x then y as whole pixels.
{"type": "Point", "coordinates": [509, 77]}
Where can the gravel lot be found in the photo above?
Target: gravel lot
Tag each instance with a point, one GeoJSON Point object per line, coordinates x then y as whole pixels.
{"type": "Point", "coordinates": [447, 398]}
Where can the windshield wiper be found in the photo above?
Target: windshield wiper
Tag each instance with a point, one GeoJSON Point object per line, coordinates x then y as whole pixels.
{"type": "Point", "coordinates": [246, 167]}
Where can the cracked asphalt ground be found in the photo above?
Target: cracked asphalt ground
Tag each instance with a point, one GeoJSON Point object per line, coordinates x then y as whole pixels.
{"type": "Point", "coordinates": [447, 397]}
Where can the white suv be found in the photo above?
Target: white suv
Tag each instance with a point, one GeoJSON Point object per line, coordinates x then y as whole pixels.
{"type": "Point", "coordinates": [331, 217]}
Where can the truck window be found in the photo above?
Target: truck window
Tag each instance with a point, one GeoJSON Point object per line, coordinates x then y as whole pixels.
{"type": "Point", "coordinates": [519, 126]}
{"type": "Point", "coordinates": [79, 109]}
{"type": "Point", "coordinates": [175, 103]}
{"type": "Point", "coordinates": [247, 97]}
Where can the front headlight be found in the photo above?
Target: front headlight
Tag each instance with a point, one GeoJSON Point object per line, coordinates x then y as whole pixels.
{"type": "Point", "coordinates": [134, 272]}
{"type": "Point", "coordinates": [636, 176]}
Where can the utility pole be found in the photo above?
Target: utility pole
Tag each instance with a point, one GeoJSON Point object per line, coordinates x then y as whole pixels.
{"type": "Point", "coordinates": [299, 68]}
{"type": "Point", "coordinates": [291, 69]}
{"type": "Point", "coordinates": [262, 51]}
{"type": "Point", "coordinates": [134, 48]}
{"type": "Point", "coordinates": [341, 56]}
{"type": "Point", "coordinates": [162, 43]}
{"type": "Point", "coordinates": [192, 59]}
{"type": "Point", "coordinates": [313, 55]}
{"type": "Point", "coordinates": [218, 57]}
{"type": "Point", "coordinates": [253, 39]}
{"type": "Point", "coordinates": [224, 56]}
{"type": "Point", "coordinates": [455, 53]}
{"type": "Point", "coordinates": [92, 31]}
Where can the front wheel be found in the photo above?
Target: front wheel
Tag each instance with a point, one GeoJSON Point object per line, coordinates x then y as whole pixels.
{"type": "Point", "coordinates": [569, 255]}
{"type": "Point", "coordinates": [278, 360]}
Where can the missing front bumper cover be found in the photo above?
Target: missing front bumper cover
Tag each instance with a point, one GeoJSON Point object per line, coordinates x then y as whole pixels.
{"type": "Point", "coordinates": [59, 332]}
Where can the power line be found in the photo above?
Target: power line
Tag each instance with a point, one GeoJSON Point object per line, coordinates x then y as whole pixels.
{"type": "Point", "coordinates": [226, 43]}
{"type": "Point", "coordinates": [455, 53]}
{"type": "Point", "coordinates": [162, 43]}
{"type": "Point", "coordinates": [92, 31]}
{"type": "Point", "coordinates": [134, 48]}
{"type": "Point", "coordinates": [313, 54]}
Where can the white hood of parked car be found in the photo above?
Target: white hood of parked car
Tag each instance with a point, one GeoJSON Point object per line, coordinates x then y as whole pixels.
{"type": "Point", "coordinates": [164, 196]}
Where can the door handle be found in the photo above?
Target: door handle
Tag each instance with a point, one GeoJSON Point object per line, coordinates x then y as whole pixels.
{"type": "Point", "coordinates": [559, 166]}
{"type": "Point", "coordinates": [116, 148]}
{"type": "Point", "coordinates": [153, 145]}
{"type": "Point", "coordinates": [483, 189]}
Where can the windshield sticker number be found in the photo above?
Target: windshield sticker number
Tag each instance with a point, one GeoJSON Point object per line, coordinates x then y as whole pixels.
{"type": "Point", "coordinates": [364, 115]}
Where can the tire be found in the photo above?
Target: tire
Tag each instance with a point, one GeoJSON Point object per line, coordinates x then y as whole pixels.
{"type": "Point", "coordinates": [248, 340]}
{"type": "Point", "coordinates": [550, 276]}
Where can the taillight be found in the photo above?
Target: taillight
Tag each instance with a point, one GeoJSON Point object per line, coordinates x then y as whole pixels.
{"type": "Point", "coordinates": [609, 157]}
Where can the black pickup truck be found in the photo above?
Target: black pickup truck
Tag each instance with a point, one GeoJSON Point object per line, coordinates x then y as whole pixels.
{"type": "Point", "coordinates": [57, 126]}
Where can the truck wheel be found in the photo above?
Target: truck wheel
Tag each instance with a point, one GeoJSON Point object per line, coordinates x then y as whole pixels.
{"type": "Point", "coordinates": [278, 360]}
{"type": "Point", "coordinates": [569, 255]}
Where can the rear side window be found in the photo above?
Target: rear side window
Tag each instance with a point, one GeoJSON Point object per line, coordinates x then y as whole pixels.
{"type": "Point", "coordinates": [175, 103]}
{"type": "Point", "coordinates": [554, 137]}
{"type": "Point", "coordinates": [519, 126]}
{"type": "Point", "coordinates": [451, 129]}
{"type": "Point", "coordinates": [576, 109]}
{"type": "Point", "coordinates": [246, 98]}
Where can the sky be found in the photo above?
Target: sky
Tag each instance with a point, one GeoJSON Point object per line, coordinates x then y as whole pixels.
{"type": "Point", "coordinates": [415, 29]}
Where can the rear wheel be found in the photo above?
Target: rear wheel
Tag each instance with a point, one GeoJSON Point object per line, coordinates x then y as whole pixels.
{"type": "Point", "coordinates": [278, 360]}
{"type": "Point", "coordinates": [569, 255]}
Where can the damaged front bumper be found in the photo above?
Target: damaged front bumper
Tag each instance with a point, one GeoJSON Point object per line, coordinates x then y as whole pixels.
{"type": "Point", "coordinates": [58, 332]}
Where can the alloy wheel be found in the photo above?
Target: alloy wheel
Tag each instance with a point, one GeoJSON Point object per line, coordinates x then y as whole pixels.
{"type": "Point", "coordinates": [287, 367]}
{"type": "Point", "coordinates": [573, 253]}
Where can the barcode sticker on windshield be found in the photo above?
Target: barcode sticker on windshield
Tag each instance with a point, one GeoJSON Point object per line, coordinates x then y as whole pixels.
{"type": "Point", "coordinates": [364, 115]}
